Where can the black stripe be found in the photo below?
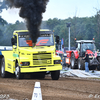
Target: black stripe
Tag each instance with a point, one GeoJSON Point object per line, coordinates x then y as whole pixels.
{"type": "Point", "coordinates": [37, 87]}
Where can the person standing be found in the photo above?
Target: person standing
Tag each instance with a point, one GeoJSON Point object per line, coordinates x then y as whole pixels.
{"type": "Point", "coordinates": [86, 58]}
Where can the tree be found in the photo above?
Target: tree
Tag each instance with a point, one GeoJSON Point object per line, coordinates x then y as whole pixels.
{"type": "Point", "coordinates": [52, 23]}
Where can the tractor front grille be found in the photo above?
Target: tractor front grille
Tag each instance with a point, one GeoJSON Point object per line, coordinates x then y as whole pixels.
{"type": "Point", "coordinates": [42, 59]}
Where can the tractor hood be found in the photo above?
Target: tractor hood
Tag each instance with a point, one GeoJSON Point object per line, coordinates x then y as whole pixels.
{"type": "Point", "coordinates": [91, 54]}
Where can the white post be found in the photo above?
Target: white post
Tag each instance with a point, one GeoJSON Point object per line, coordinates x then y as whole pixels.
{"type": "Point", "coordinates": [68, 25]}
{"type": "Point", "coordinates": [69, 38]}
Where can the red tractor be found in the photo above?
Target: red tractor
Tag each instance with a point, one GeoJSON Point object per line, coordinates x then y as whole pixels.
{"type": "Point", "coordinates": [76, 56]}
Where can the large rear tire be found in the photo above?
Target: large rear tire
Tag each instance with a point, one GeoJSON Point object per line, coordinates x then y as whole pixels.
{"type": "Point", "coordinates": [73, 66]}
{"type": "Point", "coordinates": [55, 75]}
{"type": "Point", "coordinates": [81, 64]}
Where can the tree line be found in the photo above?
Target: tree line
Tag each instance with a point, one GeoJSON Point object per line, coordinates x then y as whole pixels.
{"type": "Point", "coordinates": [84, 28]}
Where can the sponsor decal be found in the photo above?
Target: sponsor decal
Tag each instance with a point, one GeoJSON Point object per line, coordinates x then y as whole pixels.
{"type": "Point", "coordinates": [15, 55]}
{"type": "Point", "coordinates": [9, 65]}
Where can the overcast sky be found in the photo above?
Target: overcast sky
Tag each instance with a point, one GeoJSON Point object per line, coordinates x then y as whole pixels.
{"type": "Point", "coordinates": [60, 9]}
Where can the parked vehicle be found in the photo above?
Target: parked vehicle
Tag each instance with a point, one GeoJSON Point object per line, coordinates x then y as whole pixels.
{"type": "Point", "coordinates": [67, 55]}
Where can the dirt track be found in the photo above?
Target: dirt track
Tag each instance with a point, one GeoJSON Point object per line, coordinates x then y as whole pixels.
{"type": "Point", "coordinates": [63, 89]}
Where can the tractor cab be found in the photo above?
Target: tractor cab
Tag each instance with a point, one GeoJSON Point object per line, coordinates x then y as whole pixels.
{"type": "Point", "coordinates": [83, 45]}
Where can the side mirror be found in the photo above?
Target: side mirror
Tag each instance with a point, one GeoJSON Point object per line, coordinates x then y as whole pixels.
{"type": "Point", "coordinates": [12, 41]}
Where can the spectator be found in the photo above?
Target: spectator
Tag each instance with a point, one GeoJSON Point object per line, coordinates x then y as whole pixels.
{"type": "Point", "coordinates": [86, 58]}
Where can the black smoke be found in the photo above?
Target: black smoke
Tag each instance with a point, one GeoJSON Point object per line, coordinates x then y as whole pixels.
{"type": "Point", "coordinates": [31, 11]}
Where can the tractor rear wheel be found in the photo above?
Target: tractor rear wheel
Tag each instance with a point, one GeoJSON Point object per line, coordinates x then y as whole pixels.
{"type": "Point", "coordinates": [81, 64]}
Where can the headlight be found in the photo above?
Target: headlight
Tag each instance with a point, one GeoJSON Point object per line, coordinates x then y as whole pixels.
{"type": "Point", "coordinates": [57, 61]}
{"type": "Point", "coordinates": [25, 63]}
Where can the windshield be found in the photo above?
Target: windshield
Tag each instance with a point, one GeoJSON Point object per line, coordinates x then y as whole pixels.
{"type": "Point", "coordinates": [88, 46]}
{"type": "Point", "coordinates": [43, 40]}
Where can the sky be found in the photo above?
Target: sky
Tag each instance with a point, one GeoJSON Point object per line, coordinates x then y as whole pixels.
{"type": "Point", "coordinates": [61, 9]}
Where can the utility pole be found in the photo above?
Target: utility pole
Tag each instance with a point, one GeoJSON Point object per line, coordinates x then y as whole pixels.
{"type": "Point", "coordinates": [68, 25]}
